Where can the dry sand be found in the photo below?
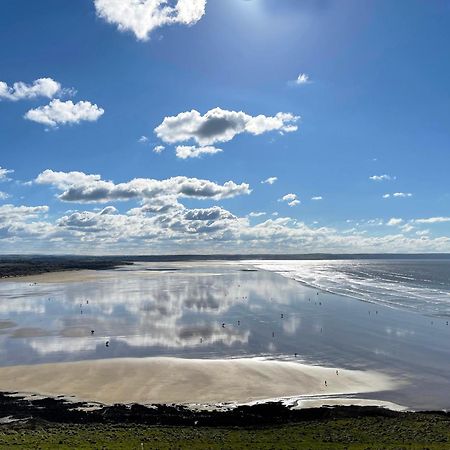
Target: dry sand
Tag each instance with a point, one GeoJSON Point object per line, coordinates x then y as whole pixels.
{"type": "Point", "coordinates": [176, 380]}
{"type": "Point", "coordinates": [66, 276]}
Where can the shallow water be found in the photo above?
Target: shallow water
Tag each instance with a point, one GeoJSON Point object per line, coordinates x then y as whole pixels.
{"type": "Point", "coordinates": [219, 310]}
{"type": "Point", "coordinates": [417, 285]}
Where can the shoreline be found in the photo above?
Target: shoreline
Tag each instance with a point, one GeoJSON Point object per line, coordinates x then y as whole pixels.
{"type": "Point", "coordinates": [164, 380]}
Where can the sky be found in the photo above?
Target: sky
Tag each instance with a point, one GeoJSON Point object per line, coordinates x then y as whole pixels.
{"type": "Point", "coordinates": [224, 126]}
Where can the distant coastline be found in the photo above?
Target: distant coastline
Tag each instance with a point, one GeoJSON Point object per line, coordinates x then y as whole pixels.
{"type": "Point", "coordinates": [23, 265]}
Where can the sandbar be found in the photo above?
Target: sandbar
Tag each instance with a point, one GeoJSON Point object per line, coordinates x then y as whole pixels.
{"type": "Point", "coordinates": [166, 380]}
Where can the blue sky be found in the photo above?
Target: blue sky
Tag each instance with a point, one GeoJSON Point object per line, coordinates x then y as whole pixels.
{"type": "Point", "coordinates": [222, 82]}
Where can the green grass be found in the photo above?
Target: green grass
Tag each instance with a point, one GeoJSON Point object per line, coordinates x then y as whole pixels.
{"type": "Point", "coordinates": [418, 431]}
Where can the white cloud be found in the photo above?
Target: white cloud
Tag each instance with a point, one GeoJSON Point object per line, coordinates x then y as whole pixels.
{"type": "Point", "coordinates": [303, 78]}
{"type": "Point", "coordinates": [143, 139]}
{"type": "Point", "coordinates": [257, 214]}
{"type": "Point", "coordinates": [188, 151]}
{"type": "Point", "coordinates": [384, 177]}
{"type": "Point", "coordinates": [291, 199]}
{"type": "Point", "coordinates": [401, 194]}
{"type": "Point", "coordinates": [394, 221]}
{"type": "Point", "coordinates": [61, 113]}
{"type": "Point", "coordinates": [143, 16]}
{"type": "Point", "coordinates": [398, 195]}
{"type": "Point", "coordinates": [159, 148]}
{"type": "Point", "coordinates": [4, 195]}
{"type": "Point", "coordinates": [318, 197]}
{"type": "Point", "coordinates": [407, 227]}
{"type": "Point", "coordinates": [42, 87]}
{"type": "Point", "coordinates": [4, 174]}
{"type": "Point", "coordinates": [80, 187]}
{"type": "Point", "coordinates": [220, 125]}
{"type": "Point", "coordinates": [270, 180]}
{"type": "Point", "coordinates": [433, 220]}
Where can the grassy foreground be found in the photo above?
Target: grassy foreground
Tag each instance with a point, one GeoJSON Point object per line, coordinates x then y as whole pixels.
{"type": "Point", "coordinates": [415, 431]}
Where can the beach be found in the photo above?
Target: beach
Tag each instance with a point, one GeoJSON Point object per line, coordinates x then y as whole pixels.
{"type": "Point", "coordinates": [209, 333]}
{"type": "Point", "coordinates": [187, 381]}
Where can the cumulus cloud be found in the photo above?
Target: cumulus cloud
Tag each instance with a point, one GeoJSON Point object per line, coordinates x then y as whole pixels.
{"type": "Point", "coordinates": [270, 180]}
{"type": "Point", "coordinates": [394, 221]}
{"type": "Point", "coordinates": [4, 174]}
{"type": "Point", "coordinates": [159, 148]}
{"type": "Point", "coordinates": [257, 214]}
{"type": "Point", "coordinates": [433, 220]}
{"type": "Point", "coordinates": [62, 113]}
{"type": "Point", "coordinates": [81, 187]}
{"type": "Point", "coordinates": [4, 195]}
{"type": "Point", "coordinates": [398, 195]}
{"type": "Point", "coordinates": [22, 222]}
{"type": "Point", "coordinates": [209, 230]}
{"type": "Point", "coordinates": [384, 177]}
{"type": "Point", "coordinates": [316, 198]}
{"type": "Point", "coordinates": [220, 125]}
{"type": "Point", "coordinates": [143, 16]}
{"type": "Point", "coordinates": [191, 151]}
{"type": "Point", "coordinates": [42, 87]}
{"type": "Point", "coordinates": [291, 199]}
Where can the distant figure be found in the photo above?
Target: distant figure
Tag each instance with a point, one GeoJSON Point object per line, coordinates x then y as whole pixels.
{"type": "Point", "coordinates": [201, 340]}
{"type": "Point", "coordinates": [321, 330]}
{"type": "Point", "coordinates": [239, 322]}
{"type": "Point", "coordinates": [337, 372]}
{"type": "Point", "coordinates": [282, 316]}
{"type": "Point", "coordinates": [376, 312]}
{"type": "Point", "coordinates": [273, 333]}
{"type": "Point", "coordinates": [309, 299]}
{"type": "Point", "coordinates": [92, 332]}
{"type": "Point", "coordinates": [317, 293]}
{"type": "Point", "coordinates": [446, 323]}
{"type": "Point", "coordinates": [87, 302]}
{"type": "Point", "coordinates": [107, 344]}
{"type": "Point", "coordinates": [81, 312]}
{"type": "Point", "coordinates": [326, 383]}
{"type": "Point", "coordinates": [295, 354]}
{"type": "Point", "coordinates": [320, 303]}
{"type": "Point", "coordinates": [223, 325]}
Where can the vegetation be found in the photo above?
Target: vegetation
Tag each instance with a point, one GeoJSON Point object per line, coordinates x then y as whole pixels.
{"type": "Point", "coordinates": [406, 431]}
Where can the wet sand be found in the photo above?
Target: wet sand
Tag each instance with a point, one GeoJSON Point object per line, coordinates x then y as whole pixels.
{"type": "Point", "coordinates": [181, 381]}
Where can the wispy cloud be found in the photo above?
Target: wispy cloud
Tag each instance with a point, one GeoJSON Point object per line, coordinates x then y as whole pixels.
{"type": "Point", "coordinates": [4, 174]}
{"type": "Point", "coordinates": [394, 221]}
{"type": "Point", "coordinates": [316, 198]}
{"type": "Point", "coordinates": [303, 78]}
{"type": "Point", "coordinates": [191, 151]}
{"type": "Point", "coordinates": [384, 177]}
{"type": "Point", "coordinates": [270, 180]}
{"type": "Point", "coordinates": [398, 195]}
{"type": "Point", "coordinates": [433, 220]}
{"type": "Point", "coordinates": [159, 148]}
